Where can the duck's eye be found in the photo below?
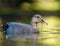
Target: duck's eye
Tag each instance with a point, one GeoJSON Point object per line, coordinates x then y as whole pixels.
{"type": "Point", "coordinates": [37, 17]}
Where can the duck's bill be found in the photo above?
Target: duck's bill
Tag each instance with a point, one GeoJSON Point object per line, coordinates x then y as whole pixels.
{"type": "Point", "coordinates": [44, 22]}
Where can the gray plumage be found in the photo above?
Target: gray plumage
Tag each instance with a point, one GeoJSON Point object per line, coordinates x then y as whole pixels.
{"type": "Point", "coordinates": [20, 29]}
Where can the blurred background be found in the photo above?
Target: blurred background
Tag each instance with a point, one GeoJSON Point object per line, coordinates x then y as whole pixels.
{"type": "Point", "coordinates": [23, 10]}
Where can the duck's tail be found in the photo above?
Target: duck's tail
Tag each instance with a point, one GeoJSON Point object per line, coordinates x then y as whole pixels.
{"type": "Point", "coordinates": [4, 28]}
{"type": "Point", "coordinates": [1, 25]}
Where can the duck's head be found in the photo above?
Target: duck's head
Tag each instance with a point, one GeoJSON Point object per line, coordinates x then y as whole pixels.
{"type": "Point", "coordinates": [38, 19]}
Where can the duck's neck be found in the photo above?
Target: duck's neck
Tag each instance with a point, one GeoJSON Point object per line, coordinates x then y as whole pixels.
{"type": "Point", "coordinates": [34, 25]}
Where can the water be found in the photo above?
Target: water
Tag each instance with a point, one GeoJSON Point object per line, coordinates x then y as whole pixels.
{"type": "Point", "coordinates": [49, 36]}
{"type": "Point", "coordinates": [44, 39]}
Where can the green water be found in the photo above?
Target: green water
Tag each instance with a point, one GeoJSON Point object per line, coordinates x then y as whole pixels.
{"type": "Point", "coordinates": [44, 39]}
{"type": "Point", "coordinates": [49, 35]}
